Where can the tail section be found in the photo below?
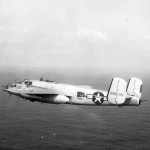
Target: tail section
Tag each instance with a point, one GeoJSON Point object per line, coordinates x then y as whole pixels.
{"type": "Point", "coordinates": [117, 91]}
{"type": "Point", "coordinates": [134, 88]}
{"type": "Point", "coordinates": [122, 94]}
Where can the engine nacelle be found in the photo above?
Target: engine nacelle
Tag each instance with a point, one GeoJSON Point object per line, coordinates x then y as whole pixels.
{"type": "Point", "coordinates": [60, 99]}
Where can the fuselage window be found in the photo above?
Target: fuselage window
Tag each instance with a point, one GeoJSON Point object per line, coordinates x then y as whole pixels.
{"type": "Point", "coordinates": [80, 94]}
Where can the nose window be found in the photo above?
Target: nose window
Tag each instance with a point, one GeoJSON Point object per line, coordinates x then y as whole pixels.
{"type": "Point", "coordinates": [11, 85]}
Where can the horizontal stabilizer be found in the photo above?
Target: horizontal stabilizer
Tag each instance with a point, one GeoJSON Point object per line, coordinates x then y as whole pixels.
{"type": "Point", "coordinates": [117, 91]}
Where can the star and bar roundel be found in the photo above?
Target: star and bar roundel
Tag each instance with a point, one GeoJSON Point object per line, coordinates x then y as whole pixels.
{"type": "Point", "coordinates": [98, 98]}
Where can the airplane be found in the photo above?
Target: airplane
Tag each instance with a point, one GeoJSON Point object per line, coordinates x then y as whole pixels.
{"type": "Point", "coordinates": [120, 93]}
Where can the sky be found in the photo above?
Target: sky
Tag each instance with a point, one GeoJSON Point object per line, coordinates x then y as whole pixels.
{"type": "Point", "coordinates": [78, 34]}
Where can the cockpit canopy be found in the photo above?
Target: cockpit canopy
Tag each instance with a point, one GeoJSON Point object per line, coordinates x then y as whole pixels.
{"type": "Point", "coordinates": [46, 80]}
{"type": "Point", "coordinates": [27, 82]}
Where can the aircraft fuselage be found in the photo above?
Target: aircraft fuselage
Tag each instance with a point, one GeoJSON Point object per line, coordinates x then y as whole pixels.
{"type": "Point", "coordinates": [57, 93]}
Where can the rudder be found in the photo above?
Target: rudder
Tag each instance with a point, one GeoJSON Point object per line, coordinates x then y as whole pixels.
{"type": "Point", "coordinates": [117, 91]}
{"type": "Point", "coordinates": [134, 87]}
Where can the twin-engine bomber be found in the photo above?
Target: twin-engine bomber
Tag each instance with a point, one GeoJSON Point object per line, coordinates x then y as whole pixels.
{"type": "Point", "coordinates": [120, 92]}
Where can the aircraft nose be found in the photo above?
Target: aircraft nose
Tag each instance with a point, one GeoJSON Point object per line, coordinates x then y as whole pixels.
{"type": "Point", "coordinates": [5, 87]}
{"type": "Point", "coordinates": [8, 86]}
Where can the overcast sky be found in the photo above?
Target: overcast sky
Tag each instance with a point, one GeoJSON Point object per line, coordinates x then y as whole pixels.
{"type": "Point", "coordinates": [97, 34]}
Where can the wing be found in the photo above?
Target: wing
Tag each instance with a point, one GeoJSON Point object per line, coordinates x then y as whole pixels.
{"type": "Point", "coordinates": [39, 91]}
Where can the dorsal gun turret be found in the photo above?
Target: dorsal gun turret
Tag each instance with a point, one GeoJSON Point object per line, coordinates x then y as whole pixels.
{"type": "Point", "coordinates": [46, 80]}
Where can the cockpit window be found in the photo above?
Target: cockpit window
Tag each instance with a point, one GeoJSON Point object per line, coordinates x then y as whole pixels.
{"type": "Point", "coordinates": [30, 83]}
{"type": "Point", "coordinates": [27, 82]}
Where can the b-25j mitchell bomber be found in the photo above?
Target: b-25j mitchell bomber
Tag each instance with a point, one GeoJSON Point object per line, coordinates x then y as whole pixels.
{"type": "Point", "coordinates": [120, 93]}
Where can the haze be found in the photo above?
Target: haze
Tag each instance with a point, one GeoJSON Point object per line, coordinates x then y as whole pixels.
{"type": "Point", "coordinates": [75, 34]}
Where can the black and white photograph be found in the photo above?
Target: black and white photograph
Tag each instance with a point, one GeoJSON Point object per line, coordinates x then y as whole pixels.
{"type": "Point", "coordinates": [74, 74]}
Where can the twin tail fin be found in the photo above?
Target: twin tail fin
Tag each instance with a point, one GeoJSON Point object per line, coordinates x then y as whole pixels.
{"type": "Point", "coordinates": [119, 90]}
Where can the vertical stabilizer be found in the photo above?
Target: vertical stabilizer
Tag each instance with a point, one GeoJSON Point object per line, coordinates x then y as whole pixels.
{"type": "Point", "coordinates": [134, 87]}
{"type": "Point", "coordinates": [117, 91]}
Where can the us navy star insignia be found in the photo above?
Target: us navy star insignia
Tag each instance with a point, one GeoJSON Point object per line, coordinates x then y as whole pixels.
{"type": "Point", "coordinates": [98, 98]}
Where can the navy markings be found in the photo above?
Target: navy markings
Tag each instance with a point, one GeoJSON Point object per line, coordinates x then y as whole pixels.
{"type": "Point", "coordinates": [116, 94]}
{"type": "Point", "coordinates": [97, 97]}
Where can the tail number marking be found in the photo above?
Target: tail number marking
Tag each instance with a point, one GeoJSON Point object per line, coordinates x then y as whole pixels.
{"type": "Point", "coordinates": [115, 93]}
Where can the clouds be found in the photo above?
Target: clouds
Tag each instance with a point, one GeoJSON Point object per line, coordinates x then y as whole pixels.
{"type": "Point", "coordinates": [92, 34]}
{"type": "Point", "coordinates": [147, 37]}
{"type": "Point", "coordinates": [77, 33]}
